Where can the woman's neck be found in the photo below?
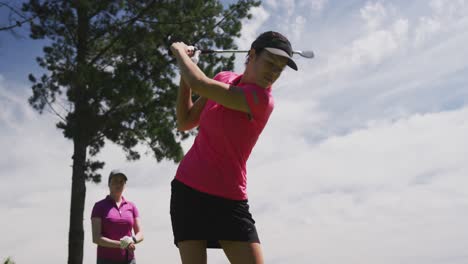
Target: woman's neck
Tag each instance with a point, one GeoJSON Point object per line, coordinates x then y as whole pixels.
{"type": "Point", "coordinates": [247, 78]}
{"type": "Point", "coordinates": [117, 197]}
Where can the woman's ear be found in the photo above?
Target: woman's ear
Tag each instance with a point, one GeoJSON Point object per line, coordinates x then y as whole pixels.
{"type": "Point", "coordinates": [252, 54]}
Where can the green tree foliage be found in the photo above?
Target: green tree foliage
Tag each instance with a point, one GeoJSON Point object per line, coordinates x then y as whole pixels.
{"type": "Point", "coordinates": [109, 76]}
{"type": "Point", "coordinates": [8, 260]}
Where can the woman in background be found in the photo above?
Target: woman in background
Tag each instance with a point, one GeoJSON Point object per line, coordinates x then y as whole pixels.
{"type": "Point", "coordinates": [113, 220]}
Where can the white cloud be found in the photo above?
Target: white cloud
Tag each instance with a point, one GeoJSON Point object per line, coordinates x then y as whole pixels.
{"type": "Point", "coordinates": [449, 8]}
{"type": "Point", "coordinates": [250, 27]}
{"type": "Point", "coordinates": [385, 34]}
{"type": "Point", "coordinates": [298, 27]}
{"type": "Point", "coordinates": [369, 196]}
{"type": "Point", "coordinates": [250, 31]}
{"type": "Point", "coordinates": [374, 14]}
{"type": "Point", "coordinates": [314, 5]}
{"type": "Point", "coordinates": [380, 73]}
{"type": "Point", "coordinates": [272, 4]}
{"type": "Point", "coordinates": [379, 44]}
{"type": "Point", "coordinates": [426, 27]}
{"type": "Point", "coordinates": [288, 7]}
{"type": "Point", "coordinates": [447, 17]}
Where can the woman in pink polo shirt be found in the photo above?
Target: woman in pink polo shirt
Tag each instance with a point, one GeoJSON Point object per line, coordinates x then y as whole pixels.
{"type": "Point", "coordinates": [113, 220]}
{"type": "Point", "coordinates": [209, 207]}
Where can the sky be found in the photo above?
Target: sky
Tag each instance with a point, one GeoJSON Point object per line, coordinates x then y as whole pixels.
{"type": "Point", "coordinates": [364, 159]}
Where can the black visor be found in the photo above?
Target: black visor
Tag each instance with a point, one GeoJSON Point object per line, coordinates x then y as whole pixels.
{"type": "Point", "coordinates": [277, 44]}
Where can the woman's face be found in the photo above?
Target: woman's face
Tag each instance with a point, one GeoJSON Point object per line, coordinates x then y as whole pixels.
{"type": "Point", "coordinates": [117, 184]}
{"type": "Point", "coordinates": [267, 67]}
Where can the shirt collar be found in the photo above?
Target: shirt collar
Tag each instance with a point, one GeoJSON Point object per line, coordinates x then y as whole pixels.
{"type": "Point", "coordinates": [236, 81]}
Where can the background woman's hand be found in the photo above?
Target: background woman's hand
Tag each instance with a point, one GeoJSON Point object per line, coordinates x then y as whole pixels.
{"type": "Point", "coordinates": [131, 247]}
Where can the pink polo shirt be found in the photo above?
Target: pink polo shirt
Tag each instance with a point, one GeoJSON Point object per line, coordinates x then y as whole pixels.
{"type": "Point", "coordinates": [116, 222]}
{"type": "Point", "coordinates": [216, 163]}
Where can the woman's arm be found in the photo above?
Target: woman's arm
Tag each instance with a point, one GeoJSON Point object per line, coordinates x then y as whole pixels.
{"type": "Point", "coordinates": [137, 230]}
{"type": "Point", "coordinates": [98, 238]}
{"type": "Point", "coordinates": [188, 113]}
{"type": "Point", "coordinates": [204, 86]}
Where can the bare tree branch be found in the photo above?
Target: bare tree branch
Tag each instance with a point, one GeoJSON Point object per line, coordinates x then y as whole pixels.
{"type": "Point", "coordinates": [188, 21]}
{"type": "Point", "coordinates": [12, 9]}
{"type": "Point", "coordinates": [15, 23]}
{"type": "Point", "coordinates": [53, 109]}
{"type": "Point", "coordinates": [216, 25]}
{"type": "Point", "coordinates": [129, 23]}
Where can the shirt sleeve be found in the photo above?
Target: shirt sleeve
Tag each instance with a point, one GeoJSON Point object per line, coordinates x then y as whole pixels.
{"type": "Point", "coordinates": [260, 104]}
{"type": "Point", "coordinates": [97, 212]}
{"type": "Point", "coordinates": [136, 213]}
{"type": "Point", "coordinates": [222, 76]}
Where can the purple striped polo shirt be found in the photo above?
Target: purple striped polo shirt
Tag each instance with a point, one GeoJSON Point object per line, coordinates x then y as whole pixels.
{"type": "Point", "coordinates": [116, 222]}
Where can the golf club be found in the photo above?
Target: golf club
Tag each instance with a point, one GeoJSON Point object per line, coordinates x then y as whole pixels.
{"type": "Point", "coordinates": [305, 54]}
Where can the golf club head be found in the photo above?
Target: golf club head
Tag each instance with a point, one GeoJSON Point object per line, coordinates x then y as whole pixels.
{"type": "Point", "coordinates": [306, 54]}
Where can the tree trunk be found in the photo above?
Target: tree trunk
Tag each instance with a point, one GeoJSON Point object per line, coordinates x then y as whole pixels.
{"type": "Point", "coordinates": [80, 141]}
{"type": "Point", "coordinates": [78, 195]}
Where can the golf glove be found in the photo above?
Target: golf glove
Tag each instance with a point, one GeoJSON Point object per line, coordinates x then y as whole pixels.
{"type": "Point", "coordinates": [125, 241]}
{"type": "Point", "coordinates": [196, 55]}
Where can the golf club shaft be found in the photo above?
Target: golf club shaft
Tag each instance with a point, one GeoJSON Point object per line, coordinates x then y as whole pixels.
{"type": "Point", "coordinates": [306, 54]}
{"type": "Point", "coordinates": [223, 51]}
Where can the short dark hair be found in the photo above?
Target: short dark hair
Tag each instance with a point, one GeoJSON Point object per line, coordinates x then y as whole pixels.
{"type": "Point", "coordinates": [258, 51]}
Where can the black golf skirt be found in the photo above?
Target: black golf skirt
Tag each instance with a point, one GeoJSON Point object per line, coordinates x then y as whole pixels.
{"type": "Point", "coordinates": [199, 216]}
